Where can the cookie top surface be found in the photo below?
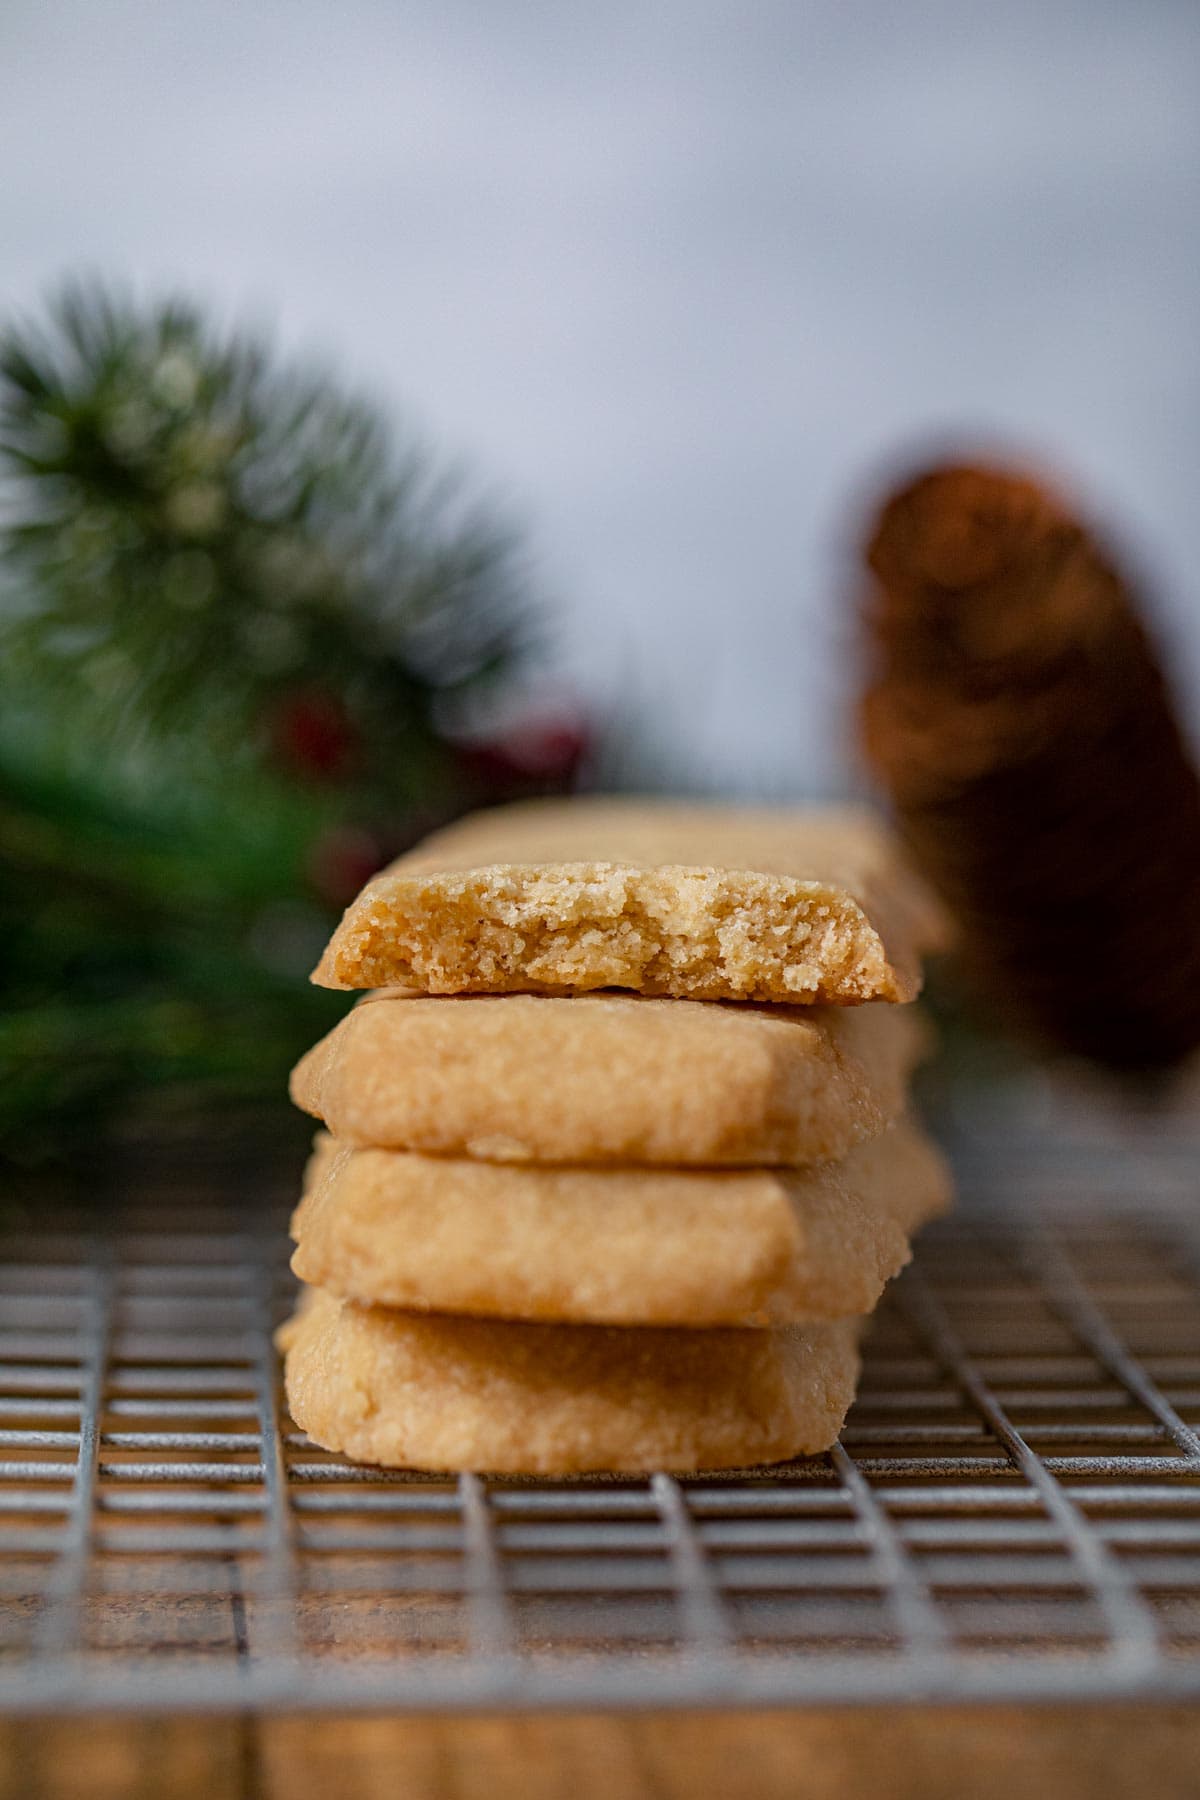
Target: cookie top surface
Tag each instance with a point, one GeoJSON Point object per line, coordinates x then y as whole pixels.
{"type": "Point", "coordinates": [431, 1391]}
{"type": "Point", "coordinates": [626, 1246]}
{"type": "Point", "coordinates": [609, 1078]}
{"type": "Point", "coordinates": [689, 901]}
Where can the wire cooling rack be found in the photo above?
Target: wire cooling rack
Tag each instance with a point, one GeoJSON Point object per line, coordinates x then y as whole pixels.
{"type": "Point", "coordinates": [1013, 1511]}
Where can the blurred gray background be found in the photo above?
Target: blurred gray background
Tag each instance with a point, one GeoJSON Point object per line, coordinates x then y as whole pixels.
{"type": "Point", "coordinates": [679, 280]}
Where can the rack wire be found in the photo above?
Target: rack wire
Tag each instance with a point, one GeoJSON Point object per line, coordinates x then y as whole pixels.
{"type": "Point", "coordinates": [1013, 1511]}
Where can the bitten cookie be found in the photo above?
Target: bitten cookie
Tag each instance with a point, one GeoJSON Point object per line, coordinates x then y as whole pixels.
{"type": "Point", "coordinates": [616, 1246]}
{"type": "Point", "coordinates": [609, 1078]}
{"type": "Point", "coordinates": [429, 1391]}
{"type": "Point", "coordinates": [689, 901]}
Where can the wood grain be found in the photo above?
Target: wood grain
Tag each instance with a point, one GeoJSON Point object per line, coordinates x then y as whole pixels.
{"type": "Point", "coordinates": [877, 1753]}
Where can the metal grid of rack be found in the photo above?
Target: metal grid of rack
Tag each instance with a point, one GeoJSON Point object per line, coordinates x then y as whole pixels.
{"type": "Point", "coordinates": [1013, 1511]}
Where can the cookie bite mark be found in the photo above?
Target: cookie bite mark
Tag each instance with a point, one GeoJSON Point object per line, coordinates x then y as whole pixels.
{"type": "Point", "coordinates": [674, 931]}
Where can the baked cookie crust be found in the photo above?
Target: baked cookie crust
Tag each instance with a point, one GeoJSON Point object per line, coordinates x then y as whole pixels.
{"type": "Point", "coordinates": [691, 902]}
{"type": "Point", "coordinates": [622, 1246]}
{"type": "Point", "coordinates": [609, 1078]}
{"type": "Point", "coordinates": [430, 1391]}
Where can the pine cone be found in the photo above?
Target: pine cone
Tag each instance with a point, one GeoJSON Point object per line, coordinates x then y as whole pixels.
{"type": "Point", "coordinates": [1018, 715]}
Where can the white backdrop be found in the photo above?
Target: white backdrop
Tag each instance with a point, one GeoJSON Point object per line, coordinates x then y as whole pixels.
{"type": "Point", "coordinates": [674, 277]}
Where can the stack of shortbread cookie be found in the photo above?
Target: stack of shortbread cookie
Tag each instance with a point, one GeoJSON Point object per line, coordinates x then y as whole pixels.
{"type": "Point", "coordinates": [617, 1158]}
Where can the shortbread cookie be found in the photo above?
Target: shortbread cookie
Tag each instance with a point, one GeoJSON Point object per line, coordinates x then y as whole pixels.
{"type": "Point", "coordinates": [609, 1078]}
{"type": "Point", "coordinates": [691, 901]}
{"type": "Point", "coordinates": [616, 1246]}
{"type": "Point", "coordinates": [430, 1391]}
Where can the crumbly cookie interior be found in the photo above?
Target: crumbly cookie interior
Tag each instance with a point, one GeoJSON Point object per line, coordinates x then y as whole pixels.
{"type": "Point", "coordinates": [680, 932]}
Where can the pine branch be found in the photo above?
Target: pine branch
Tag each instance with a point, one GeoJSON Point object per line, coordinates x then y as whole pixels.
{"type": "Point", "coordinates": [235, 616]}
{"type": "Point", "coordinates": [195, 530]}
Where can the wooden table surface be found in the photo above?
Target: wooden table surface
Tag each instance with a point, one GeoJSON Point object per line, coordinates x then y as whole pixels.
{"type": "Point", "coordinates": [1087, 1753]}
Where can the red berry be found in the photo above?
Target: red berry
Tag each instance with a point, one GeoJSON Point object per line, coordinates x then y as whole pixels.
{"type": "Point", "coordinates": [543, 749]}
{"type": "Point", "coordinates": [341, 861]}
{"type": "Point", "coordinates": [312, 736]}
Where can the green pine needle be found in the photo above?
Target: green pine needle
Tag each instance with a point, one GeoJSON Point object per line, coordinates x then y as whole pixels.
{"type": "Point", "coordinates": [195, 529]}
{"type": "Point", "coordinates": [234, 608]}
